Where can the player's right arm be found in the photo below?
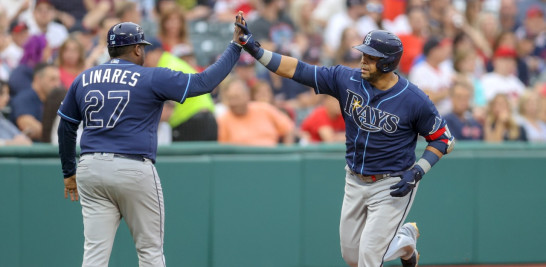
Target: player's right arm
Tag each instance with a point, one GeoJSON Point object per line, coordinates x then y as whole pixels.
{"type": "Point", "coordinates": [319, 78]}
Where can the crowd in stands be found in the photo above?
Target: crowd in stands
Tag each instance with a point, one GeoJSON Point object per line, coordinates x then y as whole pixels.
{"type": "Point", "coordinates": [482, 62]}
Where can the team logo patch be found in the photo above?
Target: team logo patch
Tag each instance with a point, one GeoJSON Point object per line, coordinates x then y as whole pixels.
{"type": "Point", "coordinates": [368, 118]}
{"type": "Point", "coordinates": [112, 37]}
{"type": "Point", "coordinates": [436, 126]}
{"type": "Point", "coordinates": [368, 39]}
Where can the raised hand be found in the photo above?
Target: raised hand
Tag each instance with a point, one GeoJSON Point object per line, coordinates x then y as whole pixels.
{"type": "Point", "coordinates": [237, 31]}
{"type": "Point", "coordinates": [245, 38]}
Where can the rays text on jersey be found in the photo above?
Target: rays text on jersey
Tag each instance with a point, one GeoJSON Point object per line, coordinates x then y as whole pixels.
{"type": "Point", "coordinates": [368, 118]}
{"type": "Point", "coordinates": [110, 76]}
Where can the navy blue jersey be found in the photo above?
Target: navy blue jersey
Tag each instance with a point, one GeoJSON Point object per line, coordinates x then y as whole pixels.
{"type": "Point", "coordinates": [120, 103]}
{"type": "Point", "coordinates": [381, 126]}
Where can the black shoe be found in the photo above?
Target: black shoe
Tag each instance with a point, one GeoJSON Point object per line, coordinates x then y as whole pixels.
{"type": "Point", "coordinates": [411, 262]}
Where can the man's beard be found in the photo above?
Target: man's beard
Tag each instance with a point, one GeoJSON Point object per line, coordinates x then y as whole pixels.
{"type": "Point", "coordinates": [372, 77]}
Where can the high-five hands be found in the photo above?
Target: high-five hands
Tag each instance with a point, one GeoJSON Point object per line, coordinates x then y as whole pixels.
{"type": "Point", "coordinates": [245, 38]}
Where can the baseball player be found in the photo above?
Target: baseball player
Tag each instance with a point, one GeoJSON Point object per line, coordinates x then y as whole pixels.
{"type": "Point", "coordinates": [383, 115]}
{"type": "Point", "coordinates": [120, 104]}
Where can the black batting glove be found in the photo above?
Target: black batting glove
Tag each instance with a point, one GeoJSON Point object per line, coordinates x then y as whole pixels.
{"type": "Point", "coordinates": [408, 182]}
{"type": "Point", "coordinates": [247, 40]}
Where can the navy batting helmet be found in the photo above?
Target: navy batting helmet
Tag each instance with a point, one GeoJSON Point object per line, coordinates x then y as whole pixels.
{"type": "Point", "coordinates": [386, 46]}
{"type": "Point", "coordinates": [126, 33]}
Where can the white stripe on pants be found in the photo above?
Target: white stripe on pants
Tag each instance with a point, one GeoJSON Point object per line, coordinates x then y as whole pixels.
{"type": "Point", "coordinates": [370, 217]}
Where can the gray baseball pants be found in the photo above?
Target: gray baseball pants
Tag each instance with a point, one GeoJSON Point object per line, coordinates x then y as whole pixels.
{"type": "Point", "coordinates": [370, 222]}
{"type": "Point", "coordinates": [112, 188]}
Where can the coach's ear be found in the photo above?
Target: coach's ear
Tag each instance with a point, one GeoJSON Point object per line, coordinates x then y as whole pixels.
{"type": "Point", "coordinates": [138, 50]}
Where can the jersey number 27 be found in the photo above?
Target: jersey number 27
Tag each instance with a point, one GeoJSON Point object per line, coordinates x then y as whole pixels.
{"type": "Point", "coordinates": [96, 100]}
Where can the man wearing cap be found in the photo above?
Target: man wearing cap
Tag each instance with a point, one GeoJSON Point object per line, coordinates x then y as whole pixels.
{"type": "Point", "coordinates": [502, 79]}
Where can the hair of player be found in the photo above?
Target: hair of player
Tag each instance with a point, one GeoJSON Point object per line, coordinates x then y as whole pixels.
{"type": "Point", "coordinates": [120, 50]}
{"type": "Point", "coordinates": [40, 68]}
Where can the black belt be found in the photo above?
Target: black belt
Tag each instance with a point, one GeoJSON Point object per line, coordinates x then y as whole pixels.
{"type": "Point", "coordinates": [124, 156]}
{"type": "Point", "coordinates": [130, 156]}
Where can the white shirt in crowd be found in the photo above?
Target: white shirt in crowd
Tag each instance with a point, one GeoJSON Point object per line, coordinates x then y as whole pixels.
{"type": "Point", "coordinates": [56, 33]}
{"type": "Point", "coordinates": [438, 79]}
{"type": "Point", "coordinates": [494, 83]}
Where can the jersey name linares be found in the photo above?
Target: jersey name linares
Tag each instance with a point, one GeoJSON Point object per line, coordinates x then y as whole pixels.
{"type": "Point", "coordinates": [110, 75]}
{"type": "Point", "coordinates": [368, 118]}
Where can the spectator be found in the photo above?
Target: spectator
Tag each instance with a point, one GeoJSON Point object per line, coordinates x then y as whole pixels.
{"type": "Point", "coordinates": [508, 13]}
{"type": "Point", "coordinates": [42, 22]}
{"type": "Point", "coordinates": [452, 22]}
{"type": "Point", "coordinates": [502, 80]}
{"type": "Point", "coordinates": [10, 54]}
{"type": "Point", "coordinates": [509, 40]}
{"type": "Point", "coordinates": [352, 16]}
{"type": "Point", "coordinates": [529, 110]}
{"type": "Point", "coordinates": [534, 28]}
{"type": "Point", "coordinates": [500, 124]}
{"type": "Point", "coordinates": [9, 134]}
{"type": "Point", "coordinates": [349, 38]}
{"type": "Point", "coordinates": [70, 13]}
{"type": "Point", "coordinates": [465, 65]}
{"type": "Point", "coordinates": [50, 119]}
{"type": "Point", "coordinates": [309, 41]}
{"type": "Point", "coordinates": [473, 8]}
{"type": "Point", "coordinates": [325, 10]}
{"type": "Point", "coordinates": [35, 51]}
{"type": "Point", "coordinates": [434, 74]}
{"type": "Point", "coordinates": [260, 91]}
{"type": "Point", "coordinates": [460, 121]}
{"type": "Point", "coordinates": [97, 11]}
{"type": "Point", "coordinates": [436, 16]}
{"type": "Point", "coordinates": [18, 31]}
{"type": "Point", "coordinates": [173, 30]}
{"type": "Point", "coordinates": [224, 9]}
{"type": "Point", "coordinates": [273, 27]}
{"type": "Point", "coordinates": [374, 16]}
{"type": "Point", "coordinates": [401, 23]}
{"type": "Point", "coordinates": [464, 44]}
{"type": "Point", "coordinates": [128, 11]}
{"type": "Point", "coordinates": [489, 27]}
{"type": "Point", "coordinates": [325, 123]}
{"type": "Point", "coordinates": [245, 69]}
{"type": "Point", "coordinates": [27, 106]}
{"type": "Point", "coordinates": [99, 54]}
{"type": "Point", "coordinates": [413, 42]}
{"type": "Point", "coordinates": [251, 123]}
{"type": "Point", "coordinates": [71, 61]}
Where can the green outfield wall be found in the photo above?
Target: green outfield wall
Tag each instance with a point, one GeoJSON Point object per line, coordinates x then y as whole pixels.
{"type": "Point", "coordinates": [230, 206]}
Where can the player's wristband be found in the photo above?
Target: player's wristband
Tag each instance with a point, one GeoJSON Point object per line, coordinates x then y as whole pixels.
{"type": "Point", "coordinates": [237, 44]}
{"type": "Point", "coordinates": [270, 60]}
{"type": "Point", "coordinates": [427, 161]}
